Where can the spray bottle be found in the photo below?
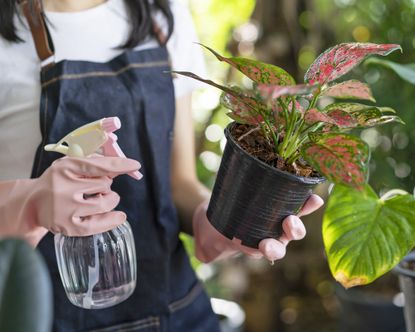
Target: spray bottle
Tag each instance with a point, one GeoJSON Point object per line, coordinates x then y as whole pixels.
{"type": "Point", "coordinates": [97, 271]}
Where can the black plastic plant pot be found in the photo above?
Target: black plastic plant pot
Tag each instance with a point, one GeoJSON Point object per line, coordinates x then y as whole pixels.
{"type": "Point", "coordinates": [407, 284]}
{"type": "Point", "coordinates": [250, 199]}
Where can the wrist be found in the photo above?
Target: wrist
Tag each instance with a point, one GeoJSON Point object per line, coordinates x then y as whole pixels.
{"type": "Point", "coordinates": [15, 209]}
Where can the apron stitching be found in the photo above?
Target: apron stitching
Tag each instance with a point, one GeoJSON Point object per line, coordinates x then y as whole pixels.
{"type": "Point", "coordinates": [143, 323]}
{"type": "Point", "coordinates": [185, 301]}
{"type": "Point", "coordinates": [106, 73]}
{"type": "Point", "coordinates": [136, 328]}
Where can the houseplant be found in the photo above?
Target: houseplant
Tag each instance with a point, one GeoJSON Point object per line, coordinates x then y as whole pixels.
{"type": "Point", "coordinates": [25, 289]}
{"type": "Point", "coordinates": [282, 142]}
{"type": "Point", "coordinates": [366, 236]}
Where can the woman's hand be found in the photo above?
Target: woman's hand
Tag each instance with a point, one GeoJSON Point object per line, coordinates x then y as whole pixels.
{"type": "Point", "coordinates": [210, 245]}
{"type": "Point", "coordinates": [73, 197]}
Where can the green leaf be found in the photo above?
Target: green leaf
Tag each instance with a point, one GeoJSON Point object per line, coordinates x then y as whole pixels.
{"type": "Point", "coordinates": [366, 236]}
{"type": "Point", "coordinates": [351, 89]}
{"type": "Point", "coordinates": [341, 158]}
{"type": "Point", "coordinates": [25, 289]}
{"type": "Point", "coordinates": [259, 72]}
{"type": "Point", "coordinates": [406, 72]}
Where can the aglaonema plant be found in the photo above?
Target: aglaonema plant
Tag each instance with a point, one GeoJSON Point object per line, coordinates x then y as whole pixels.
{"type": "Point", "coordinates": [289, 115]}
{"type": "Point", "coordinates": [365, 236]}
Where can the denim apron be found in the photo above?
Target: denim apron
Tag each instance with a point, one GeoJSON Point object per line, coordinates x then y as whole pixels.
{"type": "Point", "coordinates": [134, 87]}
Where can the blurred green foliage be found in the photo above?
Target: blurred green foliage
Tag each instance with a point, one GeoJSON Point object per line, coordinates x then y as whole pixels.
{"type": "Point", "coordinates": [393, 146]}
{"type": "Point", "coordinates": [336, 21]}
{"type": "Point", "coordinates": [215, 20]}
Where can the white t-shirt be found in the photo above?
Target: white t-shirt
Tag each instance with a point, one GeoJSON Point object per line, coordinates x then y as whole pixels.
{"type": "Point", "coordinates": [90, 35]}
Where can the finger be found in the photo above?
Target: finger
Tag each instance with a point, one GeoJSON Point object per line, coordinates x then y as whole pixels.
{"type": "Point", "coordinates": [97, 204]}
{"type": "Point", "coordinates": [250, 252]}
{"type": "Point", "coordinates": [98, 223]}
{"type": "Point", "coordinates": [101, 166]}
{"type": "Point", "coordinates": [293, 228]}
{"type": "Point", "coordinates": [313, 203]}
{"type": "Point", "coordinates": [272, 249]}
{"type": "Point", "coordinates": [93, 186]}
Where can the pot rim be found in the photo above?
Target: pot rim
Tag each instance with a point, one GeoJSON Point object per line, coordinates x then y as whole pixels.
{"type": "Point", "coordinates": [292, 177]}
{"type": "Point", "coordinates": [400, 270]}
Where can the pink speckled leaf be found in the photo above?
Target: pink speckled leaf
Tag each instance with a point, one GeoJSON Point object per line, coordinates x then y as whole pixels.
{"type": "Point", "coordinates": [276, 91]}
{"type": "Point", "coordinates": [349, 90]}
{"type": "Point", "coordinates": [351, 115]}
{"type": "Point", "coordinates": [314, 115]}
{"type": "Point", "coordinates": [257, 71]}
{"type": "Point", "coordinates": [246, 108]}
{"type": "Point", "coordinates": [242, 108]}
{"type": "Point", "coordinates": [340, 59]}
{"type": "Point", "coordinates": [341, 158]}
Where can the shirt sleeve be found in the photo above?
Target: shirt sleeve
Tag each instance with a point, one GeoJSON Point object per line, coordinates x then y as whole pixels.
{"type": "Point", "coordinates": [185, 54]}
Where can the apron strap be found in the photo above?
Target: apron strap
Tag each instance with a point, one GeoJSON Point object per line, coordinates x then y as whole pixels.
{"type": "Point", "coordinates": [159, 34]}
{"type": "Point", "coordinates": [41, 36]}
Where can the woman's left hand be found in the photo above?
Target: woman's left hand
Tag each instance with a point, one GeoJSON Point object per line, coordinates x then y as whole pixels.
{"type": "Point", "coordinates": [210, 245]}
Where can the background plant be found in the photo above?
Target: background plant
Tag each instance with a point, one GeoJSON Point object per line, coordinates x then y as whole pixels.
{"type": "Point", "coordinates": [25, 289]}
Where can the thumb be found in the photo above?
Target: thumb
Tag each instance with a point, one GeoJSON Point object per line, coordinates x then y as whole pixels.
{"type": "Point", "coordinates": [97, 166]}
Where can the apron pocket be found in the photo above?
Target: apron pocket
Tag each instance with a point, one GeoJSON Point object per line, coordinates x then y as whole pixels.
{"type": "Point", "coordinates": [150, 324]}
{"type": "Point", "coordinates": [193, 313]}
{"type": "Point", "coordinates": [186, 300]}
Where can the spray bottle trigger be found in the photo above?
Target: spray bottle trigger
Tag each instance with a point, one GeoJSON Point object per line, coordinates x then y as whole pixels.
{"type": "Point", "coordinates": [111, 149]}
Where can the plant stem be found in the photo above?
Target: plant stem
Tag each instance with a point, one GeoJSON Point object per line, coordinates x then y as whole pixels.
{"type": "Point", "coordinates": [293, 158]}
{"type": "Point", "coordinates": [313, 101]}
{"type": "Point", "coordinates": [288, 135]}
{"type": "Point", "coordinates": [274, 137]}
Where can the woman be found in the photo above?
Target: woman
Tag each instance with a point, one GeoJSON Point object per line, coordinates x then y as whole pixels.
{"type": "Point", "coordinates": [99, 59]}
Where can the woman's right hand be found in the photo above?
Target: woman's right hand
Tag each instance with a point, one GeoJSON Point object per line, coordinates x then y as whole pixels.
{"type": "Point", "coordinates": [73, 197]}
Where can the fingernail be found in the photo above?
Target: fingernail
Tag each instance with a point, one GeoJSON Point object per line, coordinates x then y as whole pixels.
{"type": "Point", "coordinates": [319, 201]}
{"type": "Point", "coordinates": [272, 252]}
{"type": "Point", "coordinates": [297, 229]}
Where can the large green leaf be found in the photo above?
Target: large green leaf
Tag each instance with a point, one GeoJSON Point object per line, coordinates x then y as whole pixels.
{"type": "Point", "coordinates": [341, 158]}
{"type": "Point", "coordinates": [366, 236]}
{"type": "Point", "coordinates": [25, 289]}
{"type": "Point", "coordinates": [406, 72]}
{"type": "Point", "coordinates": [259, 72]}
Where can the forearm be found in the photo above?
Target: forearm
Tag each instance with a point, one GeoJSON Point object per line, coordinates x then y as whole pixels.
{"type": "Point", "coordinates": [187, 195]}
{"type": "Point", "coordinates": [15, 221]}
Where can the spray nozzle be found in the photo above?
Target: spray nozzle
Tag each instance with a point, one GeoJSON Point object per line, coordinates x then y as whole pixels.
{"type": "Point", "coordinates": [87, 139]}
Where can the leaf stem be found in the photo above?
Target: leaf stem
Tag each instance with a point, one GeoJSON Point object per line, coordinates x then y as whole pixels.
{"type": "Point", "coordinates": [392, 193]}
